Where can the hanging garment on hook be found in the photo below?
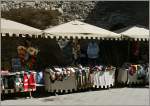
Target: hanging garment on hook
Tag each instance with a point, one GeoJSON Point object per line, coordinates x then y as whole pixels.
{"type": "Point", "coordinates": [32, 81]}
{"type": "Point", "coordinates": [132, 69]}
{"type": "Point", "coordinates": [141, 73]}
{"type": "Point", "coordinates": [25, 82]}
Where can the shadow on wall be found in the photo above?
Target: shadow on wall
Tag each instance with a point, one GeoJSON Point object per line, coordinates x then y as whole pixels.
{"type": "Point", "coordinates": [109, 14]}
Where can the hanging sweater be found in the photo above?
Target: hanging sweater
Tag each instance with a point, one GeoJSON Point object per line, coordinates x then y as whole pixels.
{"type": "Point", "coordinates": [32, 82]}
{"type": "Point", "coordinates": [25, 82]}
{"type": "Point", "coordinates": [93, 50]}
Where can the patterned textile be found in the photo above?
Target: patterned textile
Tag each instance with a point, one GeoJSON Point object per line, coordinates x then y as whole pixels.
{"type": "Point", "coordinates": [18, 83]}
{"type": "Point", "coordinates": [85, 76]}
{"type": "Point", "coordinates": [132, 69]}
{"type": "Point", "coordinates": [141, 72]}
{"type": "Point", "coordinates": [27, 56]}
{"type": "Point", "coordinates": [136, 73]}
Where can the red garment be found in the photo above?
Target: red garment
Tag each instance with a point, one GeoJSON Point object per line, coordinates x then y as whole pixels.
{"type": "Point", "coordinates": [32, 82]}
{"type": "Point", "coordinates": [25, 82]}
{"type": "Point", "coordinates": [32, 61]}
{"type": "Point", "coordinates": [133, 69]}
{"type": "Point", "coordinates": [135, 48]}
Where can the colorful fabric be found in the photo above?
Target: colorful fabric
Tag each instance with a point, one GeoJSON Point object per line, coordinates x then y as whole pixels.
{"type": "Point", "coordinates": [132, 69]}
{"type": "Point", "coordinates": [25, 82]}
{"type": "Point", "coordinates": [85, 76]}
{"type": "Point", "coordinates": [141, 72]}
{"type": "Point", "coordinates": [27, 56]}
{"type": "Point", "coordinates": [21, 54]}
{"type": "Point", "coordinates": [18, 83]}
{"type": "Point", "coordinates": [39, 78]}
{"type": "Point", "coordinates": [32, 82]}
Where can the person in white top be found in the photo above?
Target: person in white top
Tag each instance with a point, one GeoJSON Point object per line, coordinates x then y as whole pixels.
{"type": "Point", "coordinates": [93, 52]}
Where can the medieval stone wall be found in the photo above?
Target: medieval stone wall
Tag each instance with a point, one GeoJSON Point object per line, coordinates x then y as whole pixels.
{"type": "Point", "coordinates": [101, 13]}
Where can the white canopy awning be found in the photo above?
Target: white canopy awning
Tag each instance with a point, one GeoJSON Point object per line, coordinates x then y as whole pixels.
{"type": "Point", "coordinates": [80, 30]}
{"type": "Point", "coordinates": [135, 32]}
{"type": "Point", "coordinates": [12, 27]}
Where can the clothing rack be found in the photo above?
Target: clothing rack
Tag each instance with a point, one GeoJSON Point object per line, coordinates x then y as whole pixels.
{"type": "Point", "coordinates": [81, 79]}
{"type": "Point", "coordinates": [13, 75]}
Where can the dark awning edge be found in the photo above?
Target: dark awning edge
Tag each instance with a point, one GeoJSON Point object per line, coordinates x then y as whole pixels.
{"type": "Point", "coordinates": [76, 36]}
{"type": "Point", "coordinates": [49, 36]}
{"type": "Point", "coordinates": [19, 35]}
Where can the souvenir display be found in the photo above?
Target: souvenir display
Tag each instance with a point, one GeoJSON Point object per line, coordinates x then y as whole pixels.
{"type": "Point", "coordinates": [79, 77]}
{"type": "Point", "coordinates": [133, 73]}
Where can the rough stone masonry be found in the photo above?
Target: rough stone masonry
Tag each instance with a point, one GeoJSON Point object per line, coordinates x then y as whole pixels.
{"type": "Point", "coordinates": [106, 14]}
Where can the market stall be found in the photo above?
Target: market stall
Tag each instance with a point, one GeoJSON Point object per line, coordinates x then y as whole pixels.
{"type": "Point", "coordinates": [136, 72]}
{"type": "Point", "coordinates": [74, 31]}
{"type": "Point", "coordinates": [102, 76]}
{"type": "Point", "coordinates": [12, 82]}
{"type": "Point", "coordinates": [70, 79]}
{"type": "Point", "coordinates": [60, 79]}
{"type": "Point", "coordinates": [133, 74]}
{"type": "Point", "coordinates": [20, 76]}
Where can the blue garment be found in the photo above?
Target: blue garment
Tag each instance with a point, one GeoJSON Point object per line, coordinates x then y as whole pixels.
{"type": "Point", "coordinates": [39, 78]}
{"type": "Point", "coordinates": [141, 73]}
{"type": "Point", "coordinates": [93, 50]}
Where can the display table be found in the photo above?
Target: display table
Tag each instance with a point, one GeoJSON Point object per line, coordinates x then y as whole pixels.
{"type": "Point", "coordinates": [132, 79]}
{"type": "Point", "coordinates": [82, 78]}
{"type": "Point", "coordinates": [132, 74]}
{"type": "Point", "coordinates": [13, 82]}
{"type": "Point", "coordinates": [66, 85]}
{"type": "Point", "coordinates": [104, 79]}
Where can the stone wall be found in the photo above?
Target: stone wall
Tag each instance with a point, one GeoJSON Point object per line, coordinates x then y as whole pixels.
{"type": "Point", "coordinates": [106, 14]}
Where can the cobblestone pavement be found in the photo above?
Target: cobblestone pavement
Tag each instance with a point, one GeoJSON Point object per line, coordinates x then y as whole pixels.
{"type": "Point", "coordinates": [114, 96]}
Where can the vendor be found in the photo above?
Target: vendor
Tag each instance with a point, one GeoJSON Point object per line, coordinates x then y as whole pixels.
{"type": "Point", "coordinates": [93, 53]}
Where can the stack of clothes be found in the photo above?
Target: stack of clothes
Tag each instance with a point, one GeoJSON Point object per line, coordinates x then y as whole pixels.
{"type": "Point", "coordinates": [58, 78]}
{"type": "Point", "coordinates": [85, 77]}
{"type": "Point", "coordinates": [137, 73]}
{"type": "Point", "coordinates": [103, 76]}
{"type": "Point", "coordinates": [60, 74]}
{"type": "Point", "coordinates": [133, 73]}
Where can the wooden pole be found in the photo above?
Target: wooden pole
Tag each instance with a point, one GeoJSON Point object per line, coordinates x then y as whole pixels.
{"type": "Point", "coordinates": [30, 94]}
